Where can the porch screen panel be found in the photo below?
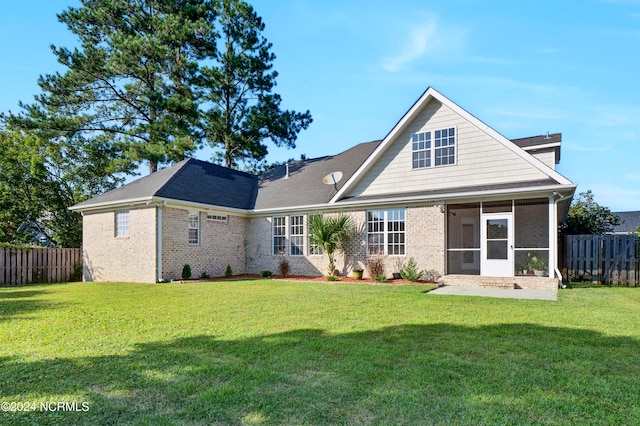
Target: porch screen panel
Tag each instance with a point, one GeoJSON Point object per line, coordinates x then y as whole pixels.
{"type": "Point", "coordinates": [463, 239]}
{"type": "Point", "coordinates": [531, 236]}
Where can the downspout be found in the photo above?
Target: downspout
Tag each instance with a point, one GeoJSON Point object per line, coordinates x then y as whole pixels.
{"type": "Point", "coordinates": [159, 241]}
{"type": "Point", "coordinates": [555, 223]}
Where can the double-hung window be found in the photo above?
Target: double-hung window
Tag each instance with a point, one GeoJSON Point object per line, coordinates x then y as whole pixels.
{"type": "Point", "coordinates": [194, 228]}
{"type": "Point", "coordinates": [122, 223]}
{"type": "Point", "coordinates": [386, 232]}
{"type": "Point", "coordinates": [296, 235]}
{"type": "Point", "coordinates": [433, 149]}
{"type": "Point", "coordinates": [279, 235]}
{"type": "Point", "coordinates": [314, 249]}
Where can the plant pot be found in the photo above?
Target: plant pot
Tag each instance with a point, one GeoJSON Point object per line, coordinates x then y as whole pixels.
{"type": "Point", "coordinates": [397, 276]}
{"type": "Point", "coordinates": [357, 275]}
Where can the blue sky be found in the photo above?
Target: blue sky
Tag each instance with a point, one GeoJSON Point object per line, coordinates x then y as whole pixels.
{"type": "Point", "coordinates": [523, 67]}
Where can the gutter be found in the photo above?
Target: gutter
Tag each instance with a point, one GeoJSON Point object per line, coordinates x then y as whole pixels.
{"type": "Point", "coordinates": [498, 193]}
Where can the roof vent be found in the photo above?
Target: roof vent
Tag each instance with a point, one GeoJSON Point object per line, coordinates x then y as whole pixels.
{"type": "Point", "coordinates": [286, 175]}
{"type": "Point", "coordinates": [547, 137]}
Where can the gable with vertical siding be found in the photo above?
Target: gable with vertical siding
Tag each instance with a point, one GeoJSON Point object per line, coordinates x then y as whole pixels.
{"type": "Point", "coordinates": [480, 159]}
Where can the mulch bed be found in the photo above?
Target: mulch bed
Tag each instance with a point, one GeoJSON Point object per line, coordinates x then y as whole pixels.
{"type": "Point", "coordinates": [341, 279]}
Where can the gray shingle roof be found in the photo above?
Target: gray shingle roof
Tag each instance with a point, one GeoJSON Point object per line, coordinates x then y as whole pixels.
{"type": "Point", "coordinates": [304, 185]}
{"type": "Point", "coordinates": [525, 143]}
{"type": "Point", "coordinates": [203, 182]}
{"type": "Point", "coordinates": [189, 180]}
{"type": "Point", "coordinates": [629, 222]}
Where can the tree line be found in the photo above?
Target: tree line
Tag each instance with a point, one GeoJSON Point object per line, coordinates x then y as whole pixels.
{"type": "Point", "coordinates": [149, 82]}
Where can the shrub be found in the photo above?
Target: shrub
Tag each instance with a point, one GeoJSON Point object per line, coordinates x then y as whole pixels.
{"type": "Point", "coordinates": [228, 273]}
{"type": "Point", "coordinates": [204, 275]}
{"type": "Point", "coordinates": [332, 278]}
{"type": "Point", "coordinates": [186, 271]}
{"type": "Point", "coordinates": [283, 268]}
{"type": "Point", "coordinates": [266, 274]}
{"type": "Point", "coordinates": [382, 278]}
{"type": "Point", "coordinates": [410, 271]}
{"type": "Point", "coordinates": [432, 275]}
{"type": "Point", "coordinates": [375, 266]}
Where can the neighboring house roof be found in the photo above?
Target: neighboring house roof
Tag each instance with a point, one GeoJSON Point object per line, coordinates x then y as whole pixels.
{"type": "Point", "coordinates": [304, 186]}
{"type": "Point", "coordinates": [541, 143]}
{"type": "Point", "coordinates": [629, 222]}
{"type": "Point", "coordinates": [538, 141]}
{"type": "Point", "coordinates": [190, 180]}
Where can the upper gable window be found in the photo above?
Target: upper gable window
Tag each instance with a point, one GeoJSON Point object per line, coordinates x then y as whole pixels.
{"type": "Point", "coordinates": [433, 149]}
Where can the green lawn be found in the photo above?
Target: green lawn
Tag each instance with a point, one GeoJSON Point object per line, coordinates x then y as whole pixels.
{"type": "Point", "coordinates": [271, 352]}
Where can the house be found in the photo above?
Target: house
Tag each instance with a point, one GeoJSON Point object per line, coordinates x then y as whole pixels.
{"type": "Point", "coordinates": [629, 222]}
{"type": "Point", "coordinates": [442, 187]}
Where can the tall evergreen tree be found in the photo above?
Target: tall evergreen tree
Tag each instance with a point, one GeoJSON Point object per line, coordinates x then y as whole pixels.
{"type": "Point", "coordinates": [129, 83]}
{"type": "Point", "coordinates": [241, 112]}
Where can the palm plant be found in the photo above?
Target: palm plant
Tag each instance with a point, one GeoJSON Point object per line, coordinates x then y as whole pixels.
{"type": "Point", "coordinates": [333, 233]}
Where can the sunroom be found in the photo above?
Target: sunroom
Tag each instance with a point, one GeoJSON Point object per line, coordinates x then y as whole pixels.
{"type": "Point", "coordinates": [508, 238]}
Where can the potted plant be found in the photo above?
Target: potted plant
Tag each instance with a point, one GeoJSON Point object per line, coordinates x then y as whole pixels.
{"type": "Point", "coordinates": [357, 273]}
{"type": "Point", "coordinates": [536, 265]}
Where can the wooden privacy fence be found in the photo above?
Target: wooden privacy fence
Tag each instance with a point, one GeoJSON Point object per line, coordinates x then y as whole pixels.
{"type": "Point", "coordinates": [39, 265]}
{"type": "Point", "coordinates": [607, 259]}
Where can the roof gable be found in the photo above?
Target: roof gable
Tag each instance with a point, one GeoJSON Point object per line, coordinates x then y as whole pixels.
{"type": "Point", "coordinates": [376, 176]}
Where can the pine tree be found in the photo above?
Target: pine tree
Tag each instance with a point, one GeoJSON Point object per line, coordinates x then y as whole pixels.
{"type": "Point", "coordinates": [241, 110]}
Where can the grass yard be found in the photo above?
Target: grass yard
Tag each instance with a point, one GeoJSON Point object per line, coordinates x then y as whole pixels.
{"type": "Point", "coordinates": [272, 352]}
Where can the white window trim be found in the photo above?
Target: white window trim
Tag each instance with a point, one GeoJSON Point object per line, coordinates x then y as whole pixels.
{"type": "Point", "coordinates": [217, 218]}
{"type": "Point", "coordinates": [291, 235]}
{"type": "Point", "coordinates": [311, 252]}
{"type": "Point", "coordinates": [273, 235]}
{"type": "Point", "coordinates": [118, 232]}
{"type": "Point", "coordinates": [433, 147]}
{"type": "Point", "coordinates": [386, 232]}
{"type": "Point", "coordinates": [189, 228]}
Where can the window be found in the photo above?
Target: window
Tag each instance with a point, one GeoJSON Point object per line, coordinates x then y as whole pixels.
{"type": "Point", "coordinates": [314, 249]}
{"type": "Point", "coordinates": [386, 232]}
{"type": "Point", "coordinates": [279, 235]}
{"type": "Point", "coordinates": [421, 148]}
{"type": "Point", "coordinates": [122, 223]}
{"type": "Point", "coordinates": [194, 228]}
{"type": "Point", "coordinates": [296, 235]}
{"type": "Point", "coordinates": [445, 142]}
{"type": "Point", "coordinates": [217, 218]}
{"type": "Point", "coordinates": [442, 150]}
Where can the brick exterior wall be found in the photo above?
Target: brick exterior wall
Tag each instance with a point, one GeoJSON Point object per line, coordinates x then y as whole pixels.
{"type": "Point", "coordinates": [246, 245]}
{"type": "Point", "coordinates": [125, 259]}
{"type": "Point", "coordinates": [221, 244]}
{"type": "Point", "coordinates": [424, 233]}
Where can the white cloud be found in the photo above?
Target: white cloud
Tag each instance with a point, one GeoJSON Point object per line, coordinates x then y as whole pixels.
{"type": "Point", "coordinates": [421, 40]}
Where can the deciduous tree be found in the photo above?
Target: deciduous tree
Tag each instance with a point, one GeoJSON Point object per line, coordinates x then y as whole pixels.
{"type": "Point", "coordinates": [586, 216]}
